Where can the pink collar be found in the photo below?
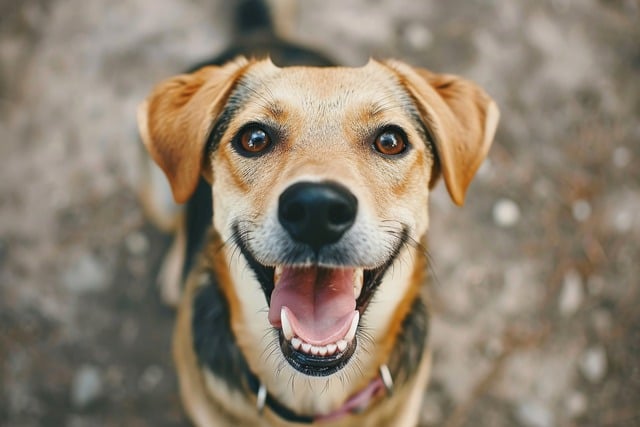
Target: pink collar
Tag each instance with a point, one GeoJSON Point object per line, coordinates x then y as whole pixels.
{"type": "Point", "coordinates": [357, 403]}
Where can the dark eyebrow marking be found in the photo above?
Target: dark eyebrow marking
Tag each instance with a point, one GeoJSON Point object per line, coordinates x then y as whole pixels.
{"type": "Point", "coordinates": [419, 124]}
{"type": "Point", "coordinates": [276, 110]}
{"type": "Point", "coordinates": [234, 103]}
{"type": "Point", "coordinates": [242, 92]}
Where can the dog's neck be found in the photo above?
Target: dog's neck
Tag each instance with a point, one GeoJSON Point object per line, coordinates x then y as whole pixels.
{"type": "Point", "coordinates": [358, 403]}
{"type": "Point", "coordinates": [217, 349]}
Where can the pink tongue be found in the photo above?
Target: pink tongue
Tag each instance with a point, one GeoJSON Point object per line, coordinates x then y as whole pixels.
{"type": "Point", "coordinates": [320, 302]}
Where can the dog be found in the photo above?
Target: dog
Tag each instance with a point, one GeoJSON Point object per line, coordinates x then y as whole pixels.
{"type": "Point", "coordinates": [302, 246]}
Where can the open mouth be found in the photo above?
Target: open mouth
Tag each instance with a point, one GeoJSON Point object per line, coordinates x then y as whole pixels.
{"type": "Point", "coordinates": [316, 309]}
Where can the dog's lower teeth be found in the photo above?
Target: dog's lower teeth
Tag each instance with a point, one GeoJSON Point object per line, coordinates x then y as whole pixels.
{"type": "Point", "coordinates": [315, 350]}
{"type": "Point", "coordinates": [319, 350]}
{"type": "Point", "coordinates": [296, 343]}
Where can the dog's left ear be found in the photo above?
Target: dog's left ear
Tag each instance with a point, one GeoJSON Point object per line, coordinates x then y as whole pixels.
{"type": "Point", "coordinates": [461, 117]}
{"type": "Point", "coordinates": [175, 120]}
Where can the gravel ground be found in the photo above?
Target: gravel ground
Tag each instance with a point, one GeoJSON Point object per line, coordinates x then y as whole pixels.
{"type": "Point", "coordinates": [535, 290]}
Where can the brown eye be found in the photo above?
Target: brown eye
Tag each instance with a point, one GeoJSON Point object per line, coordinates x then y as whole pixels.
{"type": "Point", "coordinates": [254, 140]}
{"type": "Point", "coordinates": [390, 142]}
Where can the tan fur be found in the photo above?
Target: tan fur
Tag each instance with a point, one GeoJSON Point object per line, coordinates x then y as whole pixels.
{"type": "Point", "coordinates": [325, 120]}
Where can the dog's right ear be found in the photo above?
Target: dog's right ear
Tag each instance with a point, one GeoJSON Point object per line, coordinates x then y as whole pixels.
{"type": "Point", "coordinates": [175, 120]}
{"type": "Point", "coordinates": [462, 118]}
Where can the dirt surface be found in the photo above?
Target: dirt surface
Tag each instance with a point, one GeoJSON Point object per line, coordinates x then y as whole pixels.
{"type": "Point", "coordinates": [535, 297]}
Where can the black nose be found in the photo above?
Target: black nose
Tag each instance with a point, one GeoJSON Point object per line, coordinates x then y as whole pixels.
{"type": "Point", "coordinates": [317, 213]}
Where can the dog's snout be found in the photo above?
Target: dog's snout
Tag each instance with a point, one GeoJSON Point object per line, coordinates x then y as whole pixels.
{"type": "Point", "coordinates": [317, 213]}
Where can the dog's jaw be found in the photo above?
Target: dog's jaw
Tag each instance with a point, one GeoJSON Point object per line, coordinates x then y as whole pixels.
{"type": "Point", "coordinates": [309, 394]}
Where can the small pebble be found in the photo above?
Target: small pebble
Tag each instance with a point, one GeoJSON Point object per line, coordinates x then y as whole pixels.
{"type": "Point", "coordinates": [534, 414]}
{"type": "Point", "coordinates": [417, 36]}
{"type": "Point", "coordinates": [87, 274]}
{"type": "Point", "coordinates": [623, 220]}
{"type": "Point", "coordinates": [576, 404]}
{"type": "Point", "coordinates": [506, 213]}
{"type": "Point", "coordinates": [581, 210]}
{"type": "Point", "coordinates": [621, 157]}
{"type": "Point", "coordinates": [593, 364]}
{"type": "Point", "coordinates": [137, 243]}
{"type": "Point", "coordinates": [572, 293]}
{"type": "Point", "coordinates": [150, 378]}
{"type": "Point", "coordinates": [86, 386]}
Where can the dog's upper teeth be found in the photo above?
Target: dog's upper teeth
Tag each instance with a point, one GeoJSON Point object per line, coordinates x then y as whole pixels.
{"type": "Point", "coordinates": [342, 345]}
{"type": "Point", "coordinates": [277, 272]}
{"type": "Point", "coordinates": [358, 278]}
{"type": "Point", "coordinates": [287, 330]}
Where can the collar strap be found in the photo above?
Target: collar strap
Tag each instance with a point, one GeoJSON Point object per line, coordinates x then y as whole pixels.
{"type": "Point", "coordinates": [357, 403]}
{"type": "Point", "coordinates": [266, 399]}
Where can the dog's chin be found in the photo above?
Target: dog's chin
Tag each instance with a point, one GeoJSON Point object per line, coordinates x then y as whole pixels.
{"type": "Point", "coordinates": [316, 310]}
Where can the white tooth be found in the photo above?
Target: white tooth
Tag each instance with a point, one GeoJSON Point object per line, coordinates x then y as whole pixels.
{"type": "Point", "coordinates": [352, 330]}
{"type": "Point", "coordinates": [315, 350]}
{"type": "Point", "coordinates": [342, 345]}
{"type": "Point", "coordinates": [323, 351]}
{"type": "Point", "coordinates": [286, 326]}
{"type": "Point", "coordinates": [331, 348]}
{"type": "Point", "coordinates": [358, 278]}
{"type": "Point", "coordinates": [306, 347]}
{"type": "Point", "coordinates": [296, 343]}
{"type": "Point", "coordinates": [276, 274]}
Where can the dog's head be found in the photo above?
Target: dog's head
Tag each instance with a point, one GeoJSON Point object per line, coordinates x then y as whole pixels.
{"type": "Point", "coordinates": [320, 181]}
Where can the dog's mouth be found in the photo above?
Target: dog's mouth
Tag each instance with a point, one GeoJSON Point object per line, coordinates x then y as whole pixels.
{"type": "Point", "coordinates": [317, 309]}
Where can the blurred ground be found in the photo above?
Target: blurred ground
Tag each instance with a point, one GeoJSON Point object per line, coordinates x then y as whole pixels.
{"type": "Point", "coordinates": [536, 294]}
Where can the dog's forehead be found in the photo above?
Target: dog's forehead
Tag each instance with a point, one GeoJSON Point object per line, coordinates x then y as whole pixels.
{"type": "Point", "coordinates": [371, 84]}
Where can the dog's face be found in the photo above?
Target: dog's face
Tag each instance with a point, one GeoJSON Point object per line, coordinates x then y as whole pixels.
{"type": "Point", "coordinates": [320, 180]}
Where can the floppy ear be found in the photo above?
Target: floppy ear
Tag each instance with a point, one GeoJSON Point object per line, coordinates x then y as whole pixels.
{"type": "Point", "coordinates": [461, 117]}
{"type": "Point", "coordinates": [175, 120]}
